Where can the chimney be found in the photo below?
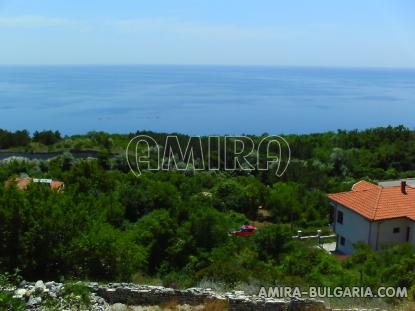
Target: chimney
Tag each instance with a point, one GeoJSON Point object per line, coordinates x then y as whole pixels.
{"type": "Point", "coordinates": [403, 186]}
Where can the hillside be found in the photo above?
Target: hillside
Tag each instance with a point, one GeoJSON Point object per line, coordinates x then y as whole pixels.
{"type": "Point", "coordinates": [172, 227]}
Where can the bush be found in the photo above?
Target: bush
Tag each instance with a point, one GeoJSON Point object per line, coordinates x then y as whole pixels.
{"type": "Point", "coordinates": [47, 138]}
{"type": "Point", "coordinates": [78, 293]}
{"type": "Point", "coordinates": [105, 253]}
{"type": "Point", "coordinates": [8, 303]}
{"type": "Point", "coordinates": [272, 241]}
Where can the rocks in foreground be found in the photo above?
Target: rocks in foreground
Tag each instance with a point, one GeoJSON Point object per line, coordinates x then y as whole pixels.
{"type": "Point", "coordinates": [41, 296]}
{"type": "Point", "coordinates": [235, 301]}
{"type": "Point", "coordinates": [193, 298]}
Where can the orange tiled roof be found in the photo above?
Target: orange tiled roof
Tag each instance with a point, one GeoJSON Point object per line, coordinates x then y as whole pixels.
{"type": "Point", "coordinates": [56, 184]}
{"type": "Point", "coordinates": [23, 183]}
{"type": "Point", "coordinates": [363, 185]}
{"type": "Point", "coordinates": [376, 202]}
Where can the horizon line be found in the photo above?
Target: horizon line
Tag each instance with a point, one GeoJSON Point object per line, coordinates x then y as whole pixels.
{"type": "Point", "coordinates": [161, 132]}
{"type": "Point", "coordinates": [209, 65]}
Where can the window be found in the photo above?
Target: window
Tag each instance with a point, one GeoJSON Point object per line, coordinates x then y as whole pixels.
{"type": "Point", "coordinates": [396, 230]}
{"type": "Point", "coordinates": [340, 217]}
{"type": "Point", "coordinates": [342, 240]}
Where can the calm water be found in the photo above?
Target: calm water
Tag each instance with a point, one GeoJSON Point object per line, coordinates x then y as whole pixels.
{"type": "Point", "coordinates": [204, 99]}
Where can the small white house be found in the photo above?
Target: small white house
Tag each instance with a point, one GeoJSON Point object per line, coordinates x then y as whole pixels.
{"type": "Point", "coordinates": [374, 214]}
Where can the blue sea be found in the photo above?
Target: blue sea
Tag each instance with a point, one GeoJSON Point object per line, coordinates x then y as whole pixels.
{"type": "Point", "coordinates": [201, 100]}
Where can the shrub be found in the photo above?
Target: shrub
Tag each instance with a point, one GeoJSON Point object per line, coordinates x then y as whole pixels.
{"type": "Point", "coordinates": [8, 303]}
{"type": "Point", "coordinates": [77, 293]}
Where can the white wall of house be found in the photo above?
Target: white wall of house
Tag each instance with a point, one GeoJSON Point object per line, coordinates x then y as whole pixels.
{"type": "Point", "coordinates": [357, 228]}
{"type": "Point", "coordinates": [391, 231]}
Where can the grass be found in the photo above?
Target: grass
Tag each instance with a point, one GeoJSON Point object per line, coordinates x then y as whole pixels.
{"type": "Point", "coordinates": [10, 279]}
{"type": "Point", "coordinates": [77, 293]}
{"type": "Point", "coordinates": [216, 305]}
{"type": "Point", "coordinates": [370, 303]}
{"type": "Point", "coordinates": [211, 305]}
{"type": "Point", "coordinates": [170, 305]}
{"type": "Point", "coordinates": [7, 302]}
{"type": "Point", "coordinates": [139, 278]}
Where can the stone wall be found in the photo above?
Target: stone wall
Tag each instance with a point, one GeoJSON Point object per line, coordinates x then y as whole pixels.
{"type": "Point", "coordinates": [143, 295]}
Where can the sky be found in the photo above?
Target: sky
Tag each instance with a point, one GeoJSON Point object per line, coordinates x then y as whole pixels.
{"type": "Point", "coordinates": [348, 33]}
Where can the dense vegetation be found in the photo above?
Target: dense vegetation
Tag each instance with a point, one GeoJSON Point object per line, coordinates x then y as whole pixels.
{"type": "Point", "coordinates": [174, 226]}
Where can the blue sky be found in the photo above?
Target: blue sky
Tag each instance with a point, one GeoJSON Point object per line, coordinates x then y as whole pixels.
{"type": "Point", "coordinates": [348, 33]}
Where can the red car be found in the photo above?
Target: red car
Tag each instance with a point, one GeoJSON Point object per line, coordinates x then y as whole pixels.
{"type": "Point", "coordinates": [244, 230]}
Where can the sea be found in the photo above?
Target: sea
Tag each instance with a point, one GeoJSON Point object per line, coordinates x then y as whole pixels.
{"type": "Point", "coordinates": [204, 100]}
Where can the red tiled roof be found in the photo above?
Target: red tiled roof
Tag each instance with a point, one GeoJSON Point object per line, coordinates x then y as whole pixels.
{"type": "Point", "coordinates": [23, 183]}
{"type": "Point", "coordinates": [376, 202]}
{"type": "Point", "coordinates": [363, 185]}
{"type": "Point", "coordinates": [56, 185]}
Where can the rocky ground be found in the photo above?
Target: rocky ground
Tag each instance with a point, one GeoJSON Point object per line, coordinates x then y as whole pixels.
{"type": "Point", "coordinates": [79, 296]}
{"type": "Point", "coordinates": [53, 296]}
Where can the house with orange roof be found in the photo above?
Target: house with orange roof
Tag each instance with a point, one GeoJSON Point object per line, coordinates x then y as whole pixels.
{"type": "Point", "coordinates": [23, 183]}
{"type": "Point", "coordinates": [376, 214]}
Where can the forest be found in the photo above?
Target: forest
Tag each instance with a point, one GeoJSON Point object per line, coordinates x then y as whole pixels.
{"type": "Point", "coordinates": [172, 227]}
